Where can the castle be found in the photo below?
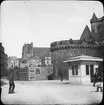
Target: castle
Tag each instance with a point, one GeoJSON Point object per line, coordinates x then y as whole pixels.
{"type": "Point", "coordinates": [90, 43]}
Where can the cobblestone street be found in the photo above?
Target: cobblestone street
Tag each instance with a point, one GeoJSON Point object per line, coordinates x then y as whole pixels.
{"type": "Point", "coordinates": [50, 92]}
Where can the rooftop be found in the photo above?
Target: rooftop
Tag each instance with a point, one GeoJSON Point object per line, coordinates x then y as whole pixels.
{"type": "Point", "coordinates": [83, 57]}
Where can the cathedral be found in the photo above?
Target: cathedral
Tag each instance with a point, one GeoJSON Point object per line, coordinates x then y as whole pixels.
{"type": "Point", "coordinates": [36, 63]}
{"type": "Point", "coordinates": [42, 53]}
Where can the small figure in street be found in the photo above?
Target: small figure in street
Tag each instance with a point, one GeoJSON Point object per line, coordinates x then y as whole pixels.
{"type": "Point", "coordinates": [61, 77]}
{"type": "Point", "coordinates": [11, 81]}
{"type": "Point", "coordinates": [100, 83]}
{"type": "Point", "coordinates": [99, 86]}
{"type": "Point", "coordinates": [95, 77]}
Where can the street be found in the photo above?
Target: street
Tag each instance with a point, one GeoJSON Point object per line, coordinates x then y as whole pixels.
{"type": "Point", "coordinates": [50, 92]}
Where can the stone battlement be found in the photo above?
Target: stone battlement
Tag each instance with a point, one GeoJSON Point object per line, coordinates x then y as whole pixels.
{"type": "Point", "coordinates": [72, 44]}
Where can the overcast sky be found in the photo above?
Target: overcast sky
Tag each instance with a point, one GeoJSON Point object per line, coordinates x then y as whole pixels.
{"type": "Point", "coordinates": [43, 22]}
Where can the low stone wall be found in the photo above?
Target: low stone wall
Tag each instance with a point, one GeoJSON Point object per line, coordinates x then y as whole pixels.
{"type": "Point", "coordinates": [75, 80]}
{"type": "Point", "coordinates": [85, 80]}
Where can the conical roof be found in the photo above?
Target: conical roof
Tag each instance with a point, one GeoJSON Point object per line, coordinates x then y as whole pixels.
{"type": "Point", "coordinates": [86, 35]}
{"type": "Point", "coordinates": [94, 17]}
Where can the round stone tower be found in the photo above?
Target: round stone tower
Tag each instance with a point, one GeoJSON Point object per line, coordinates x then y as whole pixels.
{"type": "Point", "coordinates": [89, 44]}
{"type": "Point", "coordinates": [61, 50]}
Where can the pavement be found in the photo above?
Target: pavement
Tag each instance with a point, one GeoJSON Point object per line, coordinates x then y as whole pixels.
{"type": "Point", "coordinates": [50, 92]}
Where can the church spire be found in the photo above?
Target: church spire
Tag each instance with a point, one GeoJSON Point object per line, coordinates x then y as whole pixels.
{"type": "Point", "coordinates": [94, 18]}
{"type": "Point", "coordinates": [86, 35]}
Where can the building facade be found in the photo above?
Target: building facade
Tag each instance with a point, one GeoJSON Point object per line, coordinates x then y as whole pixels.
{"type": "Point", "coordinates": [35, 63]}
{"type": "Point", "coordinates": [82, 68]}
{"type": "Point", "coordinates": [3, 61]}
{"type": "Point", "coordinates": [13, 62]}
{"type": "Point", "coordinates": [88, 44]}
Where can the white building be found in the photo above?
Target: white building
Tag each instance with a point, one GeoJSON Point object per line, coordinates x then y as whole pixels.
{"type": "Point", "coordinates": [48, 61]}
{"type": "Point", "coordinates": [82, 68]}
{"type": "Point", "coordinates": [13, 62]}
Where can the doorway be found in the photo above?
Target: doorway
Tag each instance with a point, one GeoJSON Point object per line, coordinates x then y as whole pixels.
{"type": "Point", "coordinates": [91, 72]}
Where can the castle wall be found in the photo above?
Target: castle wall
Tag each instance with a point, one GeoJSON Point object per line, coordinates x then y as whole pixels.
{"type": "Point", "coordinates": [63, 52]}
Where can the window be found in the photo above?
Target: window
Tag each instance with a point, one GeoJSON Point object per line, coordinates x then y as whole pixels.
{"type": "Point", "coordinates": [51, 70]}
{"type": "Point", "coordinates": [47, 62]}
{"type": "Point", "coordinates": [87, 69]}
{"type": "Point", "coordinates": [37, 71]}
{"type": "Point", "coordinates": [31, 70]}
{"type": "Point", "coordinates": [31, 77]}
{"type": "Point", "coordinates": [75, 70]}
{"type": "Point", "coordinates": [72, 70]}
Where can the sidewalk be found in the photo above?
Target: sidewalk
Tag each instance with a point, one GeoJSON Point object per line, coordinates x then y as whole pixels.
{"type": "Point", "coordinates": [50, 92]}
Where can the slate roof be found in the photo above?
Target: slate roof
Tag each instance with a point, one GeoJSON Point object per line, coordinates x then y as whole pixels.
{"type": "Point", "coordinates": [86, 35]}
{"type": "Point", "coordinates": [41, 51]}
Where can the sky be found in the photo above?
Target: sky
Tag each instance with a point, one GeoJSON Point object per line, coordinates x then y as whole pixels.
{"type": "Point", "coordinates": [43, 22]}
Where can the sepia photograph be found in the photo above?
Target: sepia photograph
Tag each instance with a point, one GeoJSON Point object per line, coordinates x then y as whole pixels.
{"type": "Point", "coordinates": [51, 52]}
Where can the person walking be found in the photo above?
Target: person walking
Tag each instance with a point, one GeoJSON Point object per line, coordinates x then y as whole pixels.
{"type": "Point", "coordinates": [95, 77]}
{"type": "Point", "coordinates": [61, 77]}
{"type": "Point", "coordinates": [11, 81]}
{"type": "Point", "coordinates": [100, 83]}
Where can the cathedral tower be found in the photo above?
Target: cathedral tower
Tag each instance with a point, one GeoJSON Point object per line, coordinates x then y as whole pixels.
{"type": "Point", "coordinates": [27, 51]}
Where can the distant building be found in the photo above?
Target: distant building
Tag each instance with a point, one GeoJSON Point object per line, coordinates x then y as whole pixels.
{"type": "Point", "coordinates": [27, 51]}
{"type": "Point", "coordinates": [47, 60]}
{"type": "Point", "coordinates": [23, 74]}
{"type": "Point", "coordinates": [23, 63]}
{"type": "Point", "coordinates": [42, 54]}
{"type": "Point", "coordinates": [13, 62]}
{"type": "Point", "coordinates": [3, 61]}
{"type": "Point", "coordinates": [35, 63]}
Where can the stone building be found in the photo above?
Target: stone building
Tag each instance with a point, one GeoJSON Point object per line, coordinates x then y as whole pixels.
{"type": "Point", "coordinates": [90, 43]}
{"type": "Point", "coordinates": [3, 61]}
{"type": "Point", "coordinates": [43, 53]}
{"type": "Point", "coordinates": [27, 51]}
{"type": "Point", "coordinates": [35, 63]}
{"type": "Point", "coordinates": [13, 62]}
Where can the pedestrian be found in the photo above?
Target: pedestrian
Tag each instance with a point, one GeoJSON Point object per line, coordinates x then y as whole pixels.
{"type": "Point", "coordinates": [99, 86]}
{"type": "Point", "coordinates": [11, 80]}
{"type": "Point", "coordinates": [61, 76]}
{"type": "Point", "coordinates": [100, 83]}
{"type": "Point", "coordinates": [95, 77]}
